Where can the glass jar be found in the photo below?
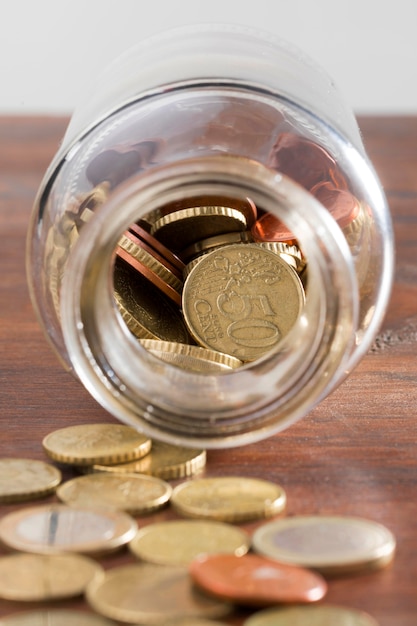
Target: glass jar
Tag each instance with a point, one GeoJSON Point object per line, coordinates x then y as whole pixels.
{"type": "Point", "coordinates": [229, 158]}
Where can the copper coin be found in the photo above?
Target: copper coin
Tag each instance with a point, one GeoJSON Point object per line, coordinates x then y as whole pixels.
{"type": "Point", "coordinates": [343, 205]}
{"type": "Point", "coordinates": [255, 581]}
{"type": "Point", "coordinates": [269, 228]}
{"type": "Point", "coordinates": [158, 247]}
{"type": "Point", "coordinates": [150, 275]}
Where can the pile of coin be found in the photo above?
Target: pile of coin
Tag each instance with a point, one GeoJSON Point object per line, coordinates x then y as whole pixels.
{"type": "Point", "coordinates": [197, 566]}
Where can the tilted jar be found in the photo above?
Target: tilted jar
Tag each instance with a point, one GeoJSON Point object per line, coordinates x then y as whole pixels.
{"type": "Point", "coordinates": [218, 111]}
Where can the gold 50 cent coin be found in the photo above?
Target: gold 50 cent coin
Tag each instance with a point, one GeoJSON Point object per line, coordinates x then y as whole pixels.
{"type": "Point", "coordinates": [33, 577]}
{"type": "Point", "coordinates": [242, 300]}
{"type": "Point", "coordinates": [329, 544]}
{"type": "Point", "coordinates": [26, 479]}
{"type": "Point", "coordinates": [134, 493]}
{"type": "Point", "coordinates": [178, 542]}
{"type": "Point", "coordinates": [86, 444]}
{"type": "Point", "coordinates": [229, 498]}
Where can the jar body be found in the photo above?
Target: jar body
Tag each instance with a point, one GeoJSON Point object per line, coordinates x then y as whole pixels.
{"type": "Point", "coordinates": [190, 129]}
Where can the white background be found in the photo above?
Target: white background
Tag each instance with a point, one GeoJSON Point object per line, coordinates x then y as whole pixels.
{"type": "Point", "coordinates": [50, 48]}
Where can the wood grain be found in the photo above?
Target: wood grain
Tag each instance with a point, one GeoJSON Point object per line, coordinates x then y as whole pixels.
{"type": "Point", "coordinates": [356, 453]}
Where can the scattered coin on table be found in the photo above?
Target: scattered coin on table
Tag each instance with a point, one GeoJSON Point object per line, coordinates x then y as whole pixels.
{"type": "Point", "coordinates": [57, 528]}
{"type": "Point", "coordinates": [35, 577]}
{"type": "Point", "coordinates": [178, 542]}
{"type": "Point", "coordinates": [26, 479]}
{"type": "Point", "coordinates": [329, 544]}
{"type": "Point", "coordinates": [55, 617]}
{"type": "Point", "coordinates": [253, 580]}
{"type": "Point", "coordinates": [136, 494]}
{"type": "Point", "coordinates": [228, 498]}
{"type": "Point", "coordinates": [86, 444]}
{"type": "Point", "coordinates": [318, 615]}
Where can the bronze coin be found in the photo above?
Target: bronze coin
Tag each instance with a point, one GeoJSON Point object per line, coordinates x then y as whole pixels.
{"type": "Point", "coordinates": [153, 278]}
{"type": "Point", "coordinates": [255, 581]}
{"type": "Point", "coordinates": [158, 248]}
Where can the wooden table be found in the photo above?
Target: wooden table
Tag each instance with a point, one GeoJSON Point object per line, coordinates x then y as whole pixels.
{"type": "Point", "coordinates": [356, 454]}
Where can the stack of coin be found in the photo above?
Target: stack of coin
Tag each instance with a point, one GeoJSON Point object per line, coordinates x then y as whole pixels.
{"type": "Point", "coordinates": [116, 449]}
{"type": "Point", "coordinates": [192, 272]}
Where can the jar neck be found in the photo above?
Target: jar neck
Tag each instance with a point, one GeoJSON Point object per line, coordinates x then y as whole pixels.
{"type": "Point", "coordinates": [249, 403]}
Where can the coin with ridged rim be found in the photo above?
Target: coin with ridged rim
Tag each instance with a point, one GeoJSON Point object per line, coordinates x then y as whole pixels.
{"type": "Point", "coordinates": [143, 256]}
{"type": "Point", "coordinates": [26, 479]}
{"type": "Point", "coordinates": [242, 300]}
{"type": "Point", "coordinates": [180, 229]}
{"type": "Point", "coordinates": [228, 498]}
{"type": "Point", "coordinates": [133, 493]}
{"type": "Point", "coordinates": [146, 310]}
{"type": "Point", "coordinates": [165, 461]}
{"type": "Point", "coordinates": [151, 594]}
{"type": "Point", "coordinates": [320, 615]}
{"type": "Point", "coordinates": [55, 617]}
{"type": "Point", "coordinates": [57, 528]}
{"type": "Point", "coordinates": [329, 544]}
{"type": "Point", "coordinates": [178, 542]}
{"type": "Point", "coordinates": [86, 444]}
{"type": "Point", "coordinates": [193, 358]}
{"type": "Point", "coordinates": [33, 577]}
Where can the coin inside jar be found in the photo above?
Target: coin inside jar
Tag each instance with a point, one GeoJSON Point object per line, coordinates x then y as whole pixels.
{"type": "Point", "coordinates": [242, 300]}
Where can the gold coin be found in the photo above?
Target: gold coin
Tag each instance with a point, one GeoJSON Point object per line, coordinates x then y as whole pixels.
{"type": "Point", "coordinates": [156, 266]}
{"type": "Point", "coordinates": [56, 528]}
{"type": "Point", "coordinates": [26, 479]}
{"type": "Point", "coordinates": [289, 253]}
{"type": "Point", "coordinates": [33, 577]}
{"type": "Point", "coordinates": [178, 542]}
{"type": "Point", "coordinates": [207, 245]}
{"type": "Point", "coordinates": [228, 498]}
{"type": "Point", "coordinates": [165, 461]}
{"type": "Point", "coordinates": [55, 617]}
{"type": "Point", "coordinates": [151, 594]}
{"type": "Point", "coordinates": [182, 228]}
{"type": "Point", "coordinates": [146, 310]}
{"type": "Point", "coordinates": [242, 300]}
{"type": "Point", "coordinates": [86, 444]}
{"type": "Point", "coordinates": [329, 544]}
{"type": "Point", "coordinates": [319, 615]}
{"type": "Point", "coordinates": [193, 358]}
{"type": "Point", "coordinates": [133, 493]}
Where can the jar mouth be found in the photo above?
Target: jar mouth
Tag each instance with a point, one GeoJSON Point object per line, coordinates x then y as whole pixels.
{"type": "Point", "coordinates": [215, 410]}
